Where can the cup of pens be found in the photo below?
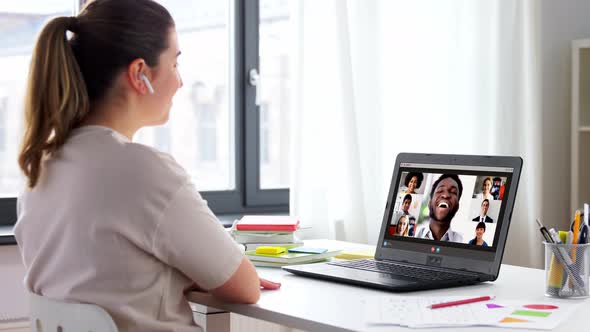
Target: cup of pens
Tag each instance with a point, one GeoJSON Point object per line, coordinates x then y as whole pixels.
{"type": "Point", "coordinates": [567, 268]}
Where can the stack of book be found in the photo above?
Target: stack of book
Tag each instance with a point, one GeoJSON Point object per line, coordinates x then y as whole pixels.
{"type": "Point", "coordinates": [274, 231]}
{"type": "Point", "coordinates": [303, 255]}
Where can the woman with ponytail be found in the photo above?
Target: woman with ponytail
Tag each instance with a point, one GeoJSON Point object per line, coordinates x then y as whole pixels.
{"type": "Point", "coordinates": [105, 220]}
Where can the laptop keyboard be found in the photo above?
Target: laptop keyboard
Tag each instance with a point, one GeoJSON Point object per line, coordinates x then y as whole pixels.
{"type": "Point", "coordinates": [400, 270]}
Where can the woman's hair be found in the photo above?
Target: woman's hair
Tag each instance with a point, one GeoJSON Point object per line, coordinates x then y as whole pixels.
{"type": "Point", "coordinates": [487, 179]}
{"type": "Point", "coordinates": [407, 228]}
{"type": "Point", "coordinates": [481, 224]}
{"type": "Point", "coordinates": [419, 177]}
{"type": "Point", "coordinates": [67, 76]}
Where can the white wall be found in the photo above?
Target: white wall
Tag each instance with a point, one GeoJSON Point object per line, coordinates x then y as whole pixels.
{"type": "Point", "coordinates": [561, 22]}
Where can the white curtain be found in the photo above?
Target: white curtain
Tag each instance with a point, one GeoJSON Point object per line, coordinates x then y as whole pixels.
{"type": "Point", "coordinates": [374, 78]}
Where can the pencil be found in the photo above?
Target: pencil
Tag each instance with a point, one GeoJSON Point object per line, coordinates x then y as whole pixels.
{"type": "Point", "coordinates": [576, 233]}
{"type": "Point", "coordinates": [460, 302]}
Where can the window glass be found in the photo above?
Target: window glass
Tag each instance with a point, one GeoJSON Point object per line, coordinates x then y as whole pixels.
{"type": "Point", "coordinates": [275, 42]}
{"type": "Point", "coordinates": [200, 131]}
{"type": "Point", "coordinates": [19, 24]}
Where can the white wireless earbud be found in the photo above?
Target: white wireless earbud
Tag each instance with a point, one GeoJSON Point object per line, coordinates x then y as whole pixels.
{"type": "Point", "coordinates": [147, 82]}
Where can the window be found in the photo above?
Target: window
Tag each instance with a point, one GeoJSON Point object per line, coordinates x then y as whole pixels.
{"type": "Point", "coordinates": [235, 151]}
{"type": "Point", "coordinates": [19, 24]}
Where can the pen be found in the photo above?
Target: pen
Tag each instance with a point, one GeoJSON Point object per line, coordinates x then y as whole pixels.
{"type": "Point", "coordinates": [544, 231]}
{"type": "Point", "coordinates": [460, 302]}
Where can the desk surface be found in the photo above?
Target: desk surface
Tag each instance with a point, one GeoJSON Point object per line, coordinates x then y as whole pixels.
{"type": "Point", "coordinates": [316, 305]}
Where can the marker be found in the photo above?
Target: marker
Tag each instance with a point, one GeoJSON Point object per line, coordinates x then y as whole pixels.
{"type": "Point", "coordinates": [583, 235]}
{"type": "Point", "coordinates": [460, 302]}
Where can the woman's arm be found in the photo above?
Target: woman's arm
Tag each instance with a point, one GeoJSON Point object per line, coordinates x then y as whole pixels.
{"type": "Point", "coordinates": [242, 287]}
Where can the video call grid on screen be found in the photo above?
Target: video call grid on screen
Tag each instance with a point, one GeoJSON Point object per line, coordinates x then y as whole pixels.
{"type": "Point", "coordinates": [470, 215]}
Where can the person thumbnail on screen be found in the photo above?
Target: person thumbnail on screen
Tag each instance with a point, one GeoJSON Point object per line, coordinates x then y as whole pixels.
{"type": "Point", "coordinates": [480, 229]}
{"type": "Point", "coordinates": [403, 226]}
{"type": "Point", "coordinates": [412, 226]}
{"type": "Point", "coordinates": [406, 203]}
{"type": "Point", "coordinates": [483, 216]}
{"type": "Point", "coordinates": [412, 182]}
{"type": "Point", "coordinates": [497, 190]}
{"type": "Point", "coordinates": [485, 191]}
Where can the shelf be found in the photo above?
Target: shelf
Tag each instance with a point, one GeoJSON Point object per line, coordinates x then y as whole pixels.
{"type": "Point", "coordinates": [584, 129]}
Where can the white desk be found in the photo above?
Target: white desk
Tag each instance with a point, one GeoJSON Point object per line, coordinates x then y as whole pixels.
{"type": "Point", "coordinates": [316, 305]}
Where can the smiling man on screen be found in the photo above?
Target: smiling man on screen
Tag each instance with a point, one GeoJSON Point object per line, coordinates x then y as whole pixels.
{"type": "Point", "coordinates": [443, 205]}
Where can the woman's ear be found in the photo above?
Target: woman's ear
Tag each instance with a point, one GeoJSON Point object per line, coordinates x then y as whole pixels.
{"type": "Point", "coordinates": [138, 73]}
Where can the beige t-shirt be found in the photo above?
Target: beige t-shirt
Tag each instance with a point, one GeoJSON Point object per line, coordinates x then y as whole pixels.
{"type": "Point", "coordinates": [120, 224]}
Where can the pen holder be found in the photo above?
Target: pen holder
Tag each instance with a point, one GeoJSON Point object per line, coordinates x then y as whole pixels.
{"type": "Point", "coordinates": [566, 270]}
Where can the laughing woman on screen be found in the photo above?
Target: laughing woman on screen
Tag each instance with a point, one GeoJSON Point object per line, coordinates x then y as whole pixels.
{"type": "Point", "coordinates": [486, 188]}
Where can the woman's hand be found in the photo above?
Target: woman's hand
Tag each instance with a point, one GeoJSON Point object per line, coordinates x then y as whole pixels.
{"type": "Point", "coordinates": [270, 285]}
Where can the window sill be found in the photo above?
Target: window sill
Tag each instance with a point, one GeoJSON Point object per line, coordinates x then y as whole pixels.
{"type": "Point", "coordinates": [227, 220]}
{"type": "Point", "coordinates": [6, 235]}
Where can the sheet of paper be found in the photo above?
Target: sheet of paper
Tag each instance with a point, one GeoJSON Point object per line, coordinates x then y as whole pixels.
{"type": "Point", "coordinates": [414, 312]}
{"type": "Point", "coordinates": [544, 315]}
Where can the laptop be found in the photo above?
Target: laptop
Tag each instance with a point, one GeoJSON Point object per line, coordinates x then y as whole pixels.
{"type": "Point", "coordinates": [445, 224]}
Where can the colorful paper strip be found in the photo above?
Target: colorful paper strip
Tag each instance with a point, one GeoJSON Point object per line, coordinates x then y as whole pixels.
{"type": "Point", "coordinates": [531, 313]}
{"type": "Point", "coordinates": [493, 306]}
{"type": "Point", "coordinates": [513, 320]}
{"type": "Point", "coordinates": [541, 306]}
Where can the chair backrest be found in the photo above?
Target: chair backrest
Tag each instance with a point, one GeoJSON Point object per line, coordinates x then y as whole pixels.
{"type": "Point", "coordinates": [48, 315]}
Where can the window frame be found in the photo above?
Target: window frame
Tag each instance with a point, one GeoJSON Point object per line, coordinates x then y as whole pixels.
{"type": "Point", "coordinates": [254, 195]}
{"type": "Point", "coordinates": [247, 197]}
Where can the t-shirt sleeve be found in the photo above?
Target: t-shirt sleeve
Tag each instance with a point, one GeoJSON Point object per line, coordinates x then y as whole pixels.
{"type": "Point", "coordinates": [190, 238]}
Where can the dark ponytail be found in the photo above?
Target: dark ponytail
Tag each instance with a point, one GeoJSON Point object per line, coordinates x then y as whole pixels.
{"type": "Point", "coordinates": [56, 98]}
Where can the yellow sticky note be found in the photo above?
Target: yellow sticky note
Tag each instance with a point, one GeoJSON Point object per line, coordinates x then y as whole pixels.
{"type": "Point", "coordinates": [270, 250]}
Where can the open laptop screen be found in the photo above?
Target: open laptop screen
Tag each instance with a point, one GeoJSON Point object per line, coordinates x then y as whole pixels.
{"type": "Point", "coordinates": [462, 206]}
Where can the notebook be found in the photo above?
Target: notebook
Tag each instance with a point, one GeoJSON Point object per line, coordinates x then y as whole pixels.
{"type": "Point", "coordinates": [290, 257]}
{"type": "Point", "coordinates": [268, 223]}
{"type": "Point", "coordinates": [432, 234]}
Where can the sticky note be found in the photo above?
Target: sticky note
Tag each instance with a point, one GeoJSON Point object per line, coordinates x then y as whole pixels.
{"type": "Point", "coordinates": [270, 250]}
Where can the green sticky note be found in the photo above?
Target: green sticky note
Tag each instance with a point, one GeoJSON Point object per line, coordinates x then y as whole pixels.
{"type": "Point", "coordinates": [531, 313]}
